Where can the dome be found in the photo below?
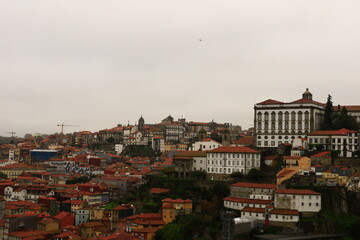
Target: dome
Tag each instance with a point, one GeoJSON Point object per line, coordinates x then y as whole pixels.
{"type": "Point", "coordinates": [307, 94]}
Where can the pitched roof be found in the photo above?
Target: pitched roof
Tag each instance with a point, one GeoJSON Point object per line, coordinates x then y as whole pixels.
{"type": "Point", "coordinates": [233, 149]}
{"type": "Point", "coordinates": [296, 191]}
{"type": "Point", "coordinates": [62, 215]}
{"type": "Point", "coordinates": [341, 132]}
{"type": "Point", "coordinates": [254, 185]}
{"type": "Point", "coordinates": [269, 102]}
{"type": "Point", "coordinates": [284, 211]}
{"type": "Point", "coordinates": [209, 140]}
{"type": "Point", "coordinates": [305, 100]}
{"type": "Point", "coordinates": [321, 154]}
{"type": "Point", "coordinates": [250, 209]}
{"type": "Point", "coordinates": [284, 173]}
{"type": "Point", "coordinates": [349, 108]}
{"type": "Point", "coordinates": [247, 200]}
{"type": "Point", "coordinates": [248, 140]}
{"type": "Point", "coordinates": [191, 154]}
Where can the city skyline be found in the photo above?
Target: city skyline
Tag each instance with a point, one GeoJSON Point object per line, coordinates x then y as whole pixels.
{"type": "Point", "coordinates": [96, 65]}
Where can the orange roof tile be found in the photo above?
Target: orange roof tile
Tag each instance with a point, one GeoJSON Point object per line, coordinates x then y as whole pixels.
{"type": "Point", "coordinates": [232, 149]}
{"type": "Point", "coordinates": [296, 191]}
{"type": "Point", "coordinates": [254, 185]}
{"type": "Point", "coordinates": [284, 212]}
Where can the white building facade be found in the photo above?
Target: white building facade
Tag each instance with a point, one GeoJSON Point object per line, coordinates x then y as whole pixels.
{"type": "Point", "coordinates": [345, 141]}
{"type": "Point", "coordinates": [205, 145]}
{"type": "Point", "coordinates": [304, 201]}
{"type": "Point", "coordinates": [278, 122]}
{"type": "Point", "coordinates": [227, 160]}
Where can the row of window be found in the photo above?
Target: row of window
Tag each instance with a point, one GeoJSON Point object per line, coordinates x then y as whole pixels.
{"type": "Point", "coordinates": [285, 115]}
{"type": "Point", "coordinates": [223, 170]}
{"type": "Point", "coordinates": [232, 163]}
{"type": "Point", "coordinates": [333, 140]}
{"type": "Point", "coordinates": [234, 155]}
{"type": "Point", "coordinates": [286, 125]}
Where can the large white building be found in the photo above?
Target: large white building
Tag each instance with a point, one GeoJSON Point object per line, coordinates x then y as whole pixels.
{"type": "Point", "coordinates": [226, 160]}
{"type": "Point", "coordinates": [302, 200]}
{"type": "Point", "coordinates": [345, 141]}
{"type": "Point", "coordinates": [278, 122]}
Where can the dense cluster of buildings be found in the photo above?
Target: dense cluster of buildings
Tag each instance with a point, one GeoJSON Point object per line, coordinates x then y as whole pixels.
{"type": "Point", "coordinates": [60, 186]}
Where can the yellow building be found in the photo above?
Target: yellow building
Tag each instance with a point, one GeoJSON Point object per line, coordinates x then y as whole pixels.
{"type": "Point", "coordinates": [174, 207]}
{"type": "Point", "coordinates": [96, 214]}
{"type": "Point", "coordinates": [16, 169]}
{"type": "Point", "coordinates": [292, 165]}
{"type": "Point", "coordinates": [48, 224]}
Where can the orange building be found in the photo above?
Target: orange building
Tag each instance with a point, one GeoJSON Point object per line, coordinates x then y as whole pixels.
{"type": "Point", "coordinates": [174, 207]}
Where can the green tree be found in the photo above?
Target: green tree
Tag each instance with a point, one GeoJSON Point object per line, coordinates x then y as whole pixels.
{"type": "Point", "coordinates": [198, 175]}
{"type": "Point", "coordinates": [328, 115]}
{"type": "Point", "coordinates": [237, 176]}
{"type": "Point", "coordinates": [344, 120]}
{"type": "Point", "coordinates": [171, 231]}
{"type": "Point", "coordinates": [255, 175]}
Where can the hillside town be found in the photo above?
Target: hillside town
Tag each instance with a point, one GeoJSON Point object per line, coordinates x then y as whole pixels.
{"type": "Point", "coordinates": [294, 174]}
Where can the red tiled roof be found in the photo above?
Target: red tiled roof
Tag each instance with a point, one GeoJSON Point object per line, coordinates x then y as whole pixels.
{"type": "Point", "coordinates": [159, 190]}
{"type": "Point", "coordinates": [341, 132]}
{"type": "Point", "coordinates": [293, 157]}
{"type": "Point", "coordinates": [232, 149]}
{"type": "Point", "coordinates": [23, 234]}
{"type": "Point", "coordinates": [250, 209]}
{"type": "Point", "coordinates": [248, 140]}
{"type": "Point", "coordinates": [305, 100]}
{"type": "Point", "coordinates": [269, 102]}
{"type": "Point", "coordinates": [284, 211]}
{"type": "Point", "coordinates": [191, 154]}
{"type": "Point", "coordinates": [284, 173]}
{"type": "Point", "coordinates": [350, 108]}
{"type": "Point", "coordinates": [247, 200]}
{"type": "Point", "coordinates": [296, 191]}
{"type": "Point", "coordinates": [321, 154]}
{"type": "Point", "coordinates": [62, 215]}
{"type": "Point", "coordinates": [254, 185]}
{"type": "Point", "coordinates": [177, 200]}
{"type": "Point", "coordinates": [209, 140]}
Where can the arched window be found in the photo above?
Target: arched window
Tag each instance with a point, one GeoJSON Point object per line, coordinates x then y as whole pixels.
{"type": "Point", "coordinates": [259, 116]}
{"type": "Point", "coordinates": [266, 116]}
{"type": "Point", "coordinates": [272, 125]}
{"type": "Point", "coordinates": [292, 125]}
{"type": "Point", "coordinates": [300, 116]}
{"type": "Point", "coordinates": [280, 125]}
{"type": "Point", "coordinates": [307, 116]}
{"type": "Point", "coordinates": [280, 116]}
{"type": "Point", "coordinates": [273, 116]}
{"type": "Point", "coordinates": [259, 126]}
{"type": "Point", "coordinates": [287, 116]}
{"type": "Point", "coordinates": [266, 127]}
{"type": "Point", "coordinates": [293, 116]}
{"type": "Point", "coordinates": [286, 125]}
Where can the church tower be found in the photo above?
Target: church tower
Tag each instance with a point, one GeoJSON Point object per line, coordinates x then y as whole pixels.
{"type": "Point", "coordinates": [141, 123]}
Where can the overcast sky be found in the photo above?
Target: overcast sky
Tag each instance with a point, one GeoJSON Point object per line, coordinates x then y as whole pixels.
{"type": "Point", "coordinates": [99, 63]}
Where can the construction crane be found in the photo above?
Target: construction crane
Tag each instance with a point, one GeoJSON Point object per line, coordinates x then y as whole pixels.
{"type": "Point", "coordinates": [62, 125]}
{"type": "Point", "coordinates": [12, 133]}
